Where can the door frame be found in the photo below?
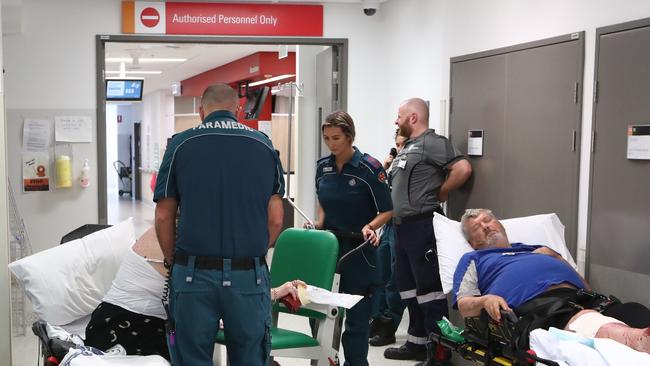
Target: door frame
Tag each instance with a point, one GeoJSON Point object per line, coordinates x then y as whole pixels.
{"type": "Point", "coordinates": [100, 46]}
{"type": "Point", "coordinates": [615, 28]}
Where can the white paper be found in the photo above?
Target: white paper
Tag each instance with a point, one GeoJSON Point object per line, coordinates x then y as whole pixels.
{"type": "Point", "coordinates": [37, 135]}
{"type": "Point", "coordinates": [638, 147]}
{"type": "Point", "coordinates": [264, 127]}
{"type": "Point", "coordinates": [475, 146]}
{"type": "Point", "coordinates": [321, 296]}
{"type": "Point", "coordinates": [475, 142]}
{"type": "Point", "coordinates": [73, 128]}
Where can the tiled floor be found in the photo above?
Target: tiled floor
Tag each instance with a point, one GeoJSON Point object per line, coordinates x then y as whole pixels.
{"type": "Point", "coordinates": [25, 348]}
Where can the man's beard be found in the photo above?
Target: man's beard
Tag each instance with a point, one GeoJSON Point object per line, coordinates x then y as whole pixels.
{"type": "Point", "coordinates": [405, 130]}
{"type": "Point", "coordinates": [494, 239]}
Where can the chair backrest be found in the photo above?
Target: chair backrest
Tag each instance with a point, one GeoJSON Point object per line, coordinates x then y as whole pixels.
{"type": "Point", "coordinates": [308, 255]}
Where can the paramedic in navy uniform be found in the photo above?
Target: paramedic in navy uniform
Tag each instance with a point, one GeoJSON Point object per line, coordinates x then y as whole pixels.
{"type": "Point", "coordinates": [228, 182]}
{"type": "Point", "coordinates": [353, 196]}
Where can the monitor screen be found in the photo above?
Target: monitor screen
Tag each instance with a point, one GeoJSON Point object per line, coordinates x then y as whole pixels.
{"type": "Point", "coordinates": [124, 89]}
{"type": "Point", "coordinates": [254, 102]}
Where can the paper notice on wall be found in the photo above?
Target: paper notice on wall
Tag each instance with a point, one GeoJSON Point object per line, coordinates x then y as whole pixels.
{"type": "Point", "coordinates": [264, 127]}
{"type": "Point", "coordinates": [73, 129]}
{"type": "Point", "coordinates": [638, 142]}
{"type": "Point", "coordinates": [37, 135]}
{"type": "Point", "coordinates": [36, 172]}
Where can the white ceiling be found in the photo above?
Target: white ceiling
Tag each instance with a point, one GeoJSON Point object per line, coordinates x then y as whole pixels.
{"type": "Point", "coordinates": [200, 58]}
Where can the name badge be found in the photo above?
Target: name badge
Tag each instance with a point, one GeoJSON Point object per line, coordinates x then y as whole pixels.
{"type": "Point", "coordinates": [328, 169]}
{"type": "Point", "coordinates": [402, 164]}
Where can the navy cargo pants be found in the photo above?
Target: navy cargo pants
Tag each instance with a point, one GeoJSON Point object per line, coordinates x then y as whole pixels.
{"type": "Point", "coordinates": [418, 278]}
{"type": "Point", "coordinates": [201, 297]}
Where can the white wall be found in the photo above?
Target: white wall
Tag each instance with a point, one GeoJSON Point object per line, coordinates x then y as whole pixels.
{"type": "Point", "coordinates": [111, 149]}
{"type": "Point", "coordinates": [5, 309]}
{"type": "Point", "coordinates": [50, 70]}
{"type": "Point", "coordinates": [306, 132]}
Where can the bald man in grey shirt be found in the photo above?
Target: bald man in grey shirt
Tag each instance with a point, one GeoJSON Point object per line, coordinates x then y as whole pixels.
{"type": "Point", "coordinates": [425, 171]}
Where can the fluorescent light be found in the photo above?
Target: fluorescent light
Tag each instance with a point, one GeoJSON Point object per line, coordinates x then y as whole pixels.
{"type": "Point", "coordinates": [128, 78]}
{"type": "Point", "coordinates": [118, 59]}
{"type": "Point", "coordinates": [143, 59]}
{"type": "Point", "coordinates": [270, 80]}
{"type": "Point", "coordinates": [160, 59]}
{"type": "Point", "coordinates": [136, 72]}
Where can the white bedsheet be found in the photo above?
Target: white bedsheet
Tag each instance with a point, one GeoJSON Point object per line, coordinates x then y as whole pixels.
{"type": "Point", "coordinates": [605, 352]}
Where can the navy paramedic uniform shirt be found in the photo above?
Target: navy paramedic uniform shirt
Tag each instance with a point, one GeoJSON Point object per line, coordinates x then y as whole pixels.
{"type": "Point", "coordinates": [352, 198]}
{"type": "Point", "coordinates": [222, 173]}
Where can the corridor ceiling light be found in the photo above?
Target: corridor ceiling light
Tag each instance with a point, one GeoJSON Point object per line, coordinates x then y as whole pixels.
{"type": "Point", "coordinates": [137, 72]}
{"type": "Point", "coordinates": [118, 59]}
{"type": "Point", "coordinates": [160, 59]}
{"type": "Point", "coordinates": [128, 78]}
{"type": "Point", "coordinates": [143, 59]}
{"type": "Point", "coordinates": [270, 80]}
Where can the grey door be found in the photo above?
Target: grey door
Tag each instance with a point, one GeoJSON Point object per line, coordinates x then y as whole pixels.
{"type": "Point", "coordinates": [526, 99]}
{"type": "Point", "coordinates": [619, 238]}
{"type": "Point", "coordinates": [478, 95]}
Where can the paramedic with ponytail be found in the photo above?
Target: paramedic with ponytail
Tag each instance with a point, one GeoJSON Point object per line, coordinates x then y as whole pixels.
{"type": "Point", "coordinates": [228, 183]}
{"type": "Point", "coordinates": [353, 197]}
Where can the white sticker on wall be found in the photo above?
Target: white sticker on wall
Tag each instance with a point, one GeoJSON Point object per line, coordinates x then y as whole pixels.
{"type": "Point", "coordinates": [475, 142]}
{"type": "Point", "coordinates": [638, 142]}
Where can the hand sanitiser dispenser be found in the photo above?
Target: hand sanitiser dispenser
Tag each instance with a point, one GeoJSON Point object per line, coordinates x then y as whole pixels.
{"type": "Point", "coordinates": [85, 174]}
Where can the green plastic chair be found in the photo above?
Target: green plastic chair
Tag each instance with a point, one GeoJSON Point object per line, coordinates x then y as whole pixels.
{"type": "Point", "coordinates": [311, 256]}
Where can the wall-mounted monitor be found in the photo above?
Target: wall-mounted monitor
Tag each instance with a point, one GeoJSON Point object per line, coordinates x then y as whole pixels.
{"type": "Point", "coordinates": [124, 89]}
{"type": "Point", "coordinates": [255, 101]}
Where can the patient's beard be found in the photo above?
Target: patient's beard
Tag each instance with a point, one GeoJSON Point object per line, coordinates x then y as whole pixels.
{"type": "Point", "coordinates": [496, 239]}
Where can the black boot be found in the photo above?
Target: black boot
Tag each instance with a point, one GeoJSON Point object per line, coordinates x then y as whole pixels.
{"type": "Point", "coordinates": [375, 326]}
{"type": "Point", "coordinates": [417, 353]}
{"type": "Point", "coordinates": [386, 333]}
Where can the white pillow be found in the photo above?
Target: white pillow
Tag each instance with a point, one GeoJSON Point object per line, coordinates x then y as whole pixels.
{"type": "Point", "coordinates": [532, 230]}
{"type": "Point", "coordinates": [68, 281]}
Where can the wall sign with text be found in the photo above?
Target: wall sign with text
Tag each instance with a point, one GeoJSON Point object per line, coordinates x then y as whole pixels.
{"type": "Point", "coordinates": [222, 19]}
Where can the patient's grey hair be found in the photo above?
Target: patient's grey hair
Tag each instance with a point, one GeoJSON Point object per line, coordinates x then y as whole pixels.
{"type": "Point", "coordinates": [472, 213]}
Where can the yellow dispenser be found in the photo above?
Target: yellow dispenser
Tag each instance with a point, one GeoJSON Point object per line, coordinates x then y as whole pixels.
{"type": "Point", "coordinates": [63, 171]}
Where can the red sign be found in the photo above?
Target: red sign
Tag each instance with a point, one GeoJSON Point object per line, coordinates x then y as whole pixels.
{"type": "Point", "coordinates": [223, 19]}
{"type": "Point", "coordinates": [150, 17]}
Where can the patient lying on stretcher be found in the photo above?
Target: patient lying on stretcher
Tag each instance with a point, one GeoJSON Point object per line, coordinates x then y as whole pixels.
{"type": "Point", "coordinates": [502, 276]}
{"type": "Point", "coordinates": [131, 314]}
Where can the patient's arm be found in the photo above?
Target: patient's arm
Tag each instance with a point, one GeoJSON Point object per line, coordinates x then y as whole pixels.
{"type": "Point", "coordinates": [166, 226]}
{"type": "Point", "coordinates": [472, 306]}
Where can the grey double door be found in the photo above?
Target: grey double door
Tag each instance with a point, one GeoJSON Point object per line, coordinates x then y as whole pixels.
{"type": "Point", "coordinates": [526, 99]}
{"type": "Point", "coordinates": [619, 226]}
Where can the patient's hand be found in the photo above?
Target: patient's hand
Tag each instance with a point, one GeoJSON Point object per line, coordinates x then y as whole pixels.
{"type": "Point", "coordinates": [547, 251]}
{"type": "Point", "coordinates": [493, 304]}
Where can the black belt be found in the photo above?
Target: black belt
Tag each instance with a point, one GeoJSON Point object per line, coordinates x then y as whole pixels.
{"type": "Point", "coordinates": [205, 262]}
{"type": "Point", "coordinates": [412, 218]}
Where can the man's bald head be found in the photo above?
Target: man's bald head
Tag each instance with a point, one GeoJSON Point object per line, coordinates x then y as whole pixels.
{"type": "Point", "coordinates": [218, 97]}
{"type": "Point", "coordinates": [418, 106]}
{"type": "Point", "coordinates": [412, 117]}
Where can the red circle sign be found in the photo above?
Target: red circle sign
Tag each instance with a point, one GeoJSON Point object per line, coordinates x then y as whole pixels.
{"type": "Point", "coordinates": [150, 17]}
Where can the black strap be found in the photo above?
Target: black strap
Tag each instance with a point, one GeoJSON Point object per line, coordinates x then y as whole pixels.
{"type": "Point", "coordinates": [206, 262]}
